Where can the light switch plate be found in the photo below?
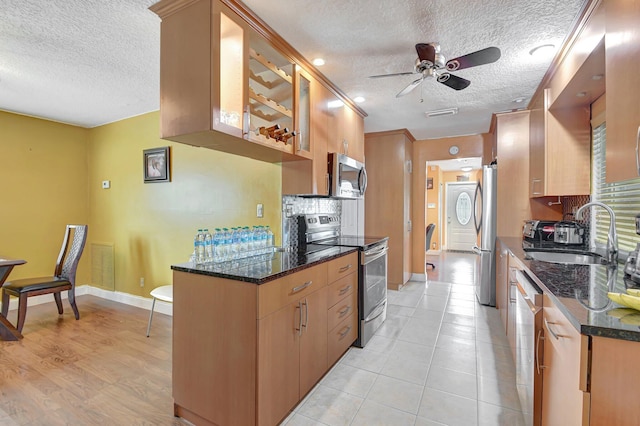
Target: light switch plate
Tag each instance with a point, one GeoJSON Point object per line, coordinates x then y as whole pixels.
{"type": "Point", "coordinates": [106, 184]}
{"type": "Point", "coordinates": [259, 210]}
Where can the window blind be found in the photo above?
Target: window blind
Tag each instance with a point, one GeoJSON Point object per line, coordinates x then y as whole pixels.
{"type": "Point", "coordinates": [623, 197]}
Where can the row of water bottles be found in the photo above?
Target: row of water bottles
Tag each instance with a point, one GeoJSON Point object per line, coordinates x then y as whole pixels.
{"type": "Point", "coordinates": [226, 244]}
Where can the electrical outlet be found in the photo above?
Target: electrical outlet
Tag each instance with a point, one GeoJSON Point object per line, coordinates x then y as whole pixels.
{"type": "Point", "coordinates": [259, 210]}
{"type": "Point", "coordinates": [141, 281]}
{"type": "Point", "coordinates": [106, 184]}
{"type": "Point", "coordinates": [433, 245]}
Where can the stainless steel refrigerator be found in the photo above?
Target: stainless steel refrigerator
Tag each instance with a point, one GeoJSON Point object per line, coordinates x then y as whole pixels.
{"type": "Point", "coordinates": [485, 206]}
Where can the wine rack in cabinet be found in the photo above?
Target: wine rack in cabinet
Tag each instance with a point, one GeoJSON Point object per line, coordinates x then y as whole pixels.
{"type": "Point", "coordinates": [271, 77]}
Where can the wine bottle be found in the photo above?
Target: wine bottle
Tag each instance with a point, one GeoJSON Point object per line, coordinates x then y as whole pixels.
{"type": "Point", "coordinates": [286, 136]}
{"type": "Point", "coordinates": [268, 131]}
{"type": "Point", "coordinates": [279, 132]}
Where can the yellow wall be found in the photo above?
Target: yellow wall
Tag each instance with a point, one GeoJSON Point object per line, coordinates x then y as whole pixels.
{"type": "Point", "coordinates": [150, 225]}
{"type": "Point", "coordinates": [44, 187]}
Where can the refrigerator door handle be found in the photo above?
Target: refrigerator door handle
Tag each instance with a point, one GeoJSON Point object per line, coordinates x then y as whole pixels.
{"type": "Point", "coordinates": [476, 249]}
{"type": "Point", "coordinates": [477, 223]}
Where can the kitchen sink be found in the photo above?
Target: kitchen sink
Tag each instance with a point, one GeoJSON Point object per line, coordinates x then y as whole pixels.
{"type": "Point", "coordinates": [584, 258]}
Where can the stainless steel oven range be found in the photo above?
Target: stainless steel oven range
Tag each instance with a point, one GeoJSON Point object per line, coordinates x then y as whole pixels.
{"type": "Point", "coordinates": [317, 231]}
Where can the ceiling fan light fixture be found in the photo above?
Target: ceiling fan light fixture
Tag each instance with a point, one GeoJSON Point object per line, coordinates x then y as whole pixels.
{"type": "Point", "coordinates": [441, 112]}
{"type": "Point", "coordinates": [542, 50]}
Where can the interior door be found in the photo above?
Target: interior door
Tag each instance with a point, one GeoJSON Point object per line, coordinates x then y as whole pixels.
{"type": "Point", "coordinates": [461, 231]}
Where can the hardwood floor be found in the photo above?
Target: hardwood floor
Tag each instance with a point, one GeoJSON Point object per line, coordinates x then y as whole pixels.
{"type": "Point", "coordinates": [100, 370]}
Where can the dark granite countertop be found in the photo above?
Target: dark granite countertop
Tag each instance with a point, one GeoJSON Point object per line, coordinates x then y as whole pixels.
{"type": "Point", "coordinates": [580, 292]}
{"type": "Point", "coordinates": [264, 268]}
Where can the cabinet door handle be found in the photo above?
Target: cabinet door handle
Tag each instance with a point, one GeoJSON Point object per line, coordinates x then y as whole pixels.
{"type": "Point", "coordinates": [326, 181]}
{"type": "Point", "coordinates": [345, 311]}
{"type": "Point", "coordinates": [345, 290]}
{"type": "Point", "coordinates": [306, 313]}
{"type": "Point", "coordinates": [348, 329]}
{"type": "Point", "coordinates": [513, 286]}
{"type": "Point", "coordinates": [299, 329]}
{"type": "Point", "coordinates": [533, 186]}
{"type": "Point", "coordinates": [547, 325]}
{"type": "Point", "coordinates": [637, 151]}
{"type": "Point", "coordinates": [345, 268]}
{"type": "Point", "coordinates": [301, 287]}
{"type": "Point", "coordinates": [539, 366]}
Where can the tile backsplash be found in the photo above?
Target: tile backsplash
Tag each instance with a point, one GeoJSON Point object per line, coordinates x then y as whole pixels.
{"type": "Point", "coordinates": [293, 206]}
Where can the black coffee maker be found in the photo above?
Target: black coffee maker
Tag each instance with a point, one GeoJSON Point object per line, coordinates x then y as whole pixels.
{"type": "Point", "coordinates": [632, 265]}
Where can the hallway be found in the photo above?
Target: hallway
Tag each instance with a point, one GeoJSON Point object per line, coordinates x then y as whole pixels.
{"type": "Point", "coordinates": [440, 358]}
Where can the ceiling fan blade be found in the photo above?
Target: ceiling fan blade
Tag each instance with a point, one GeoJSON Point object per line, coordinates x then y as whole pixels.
{"type": "Point", "coordinates": [481, 57]}
{"type": "Point", "coordinates": [391, 75]}
{"type": "Point", "coordinates": [426, 52]}
{"type": "Point", "coordinates": [453, 81]}
{"type": "Point", "coordinates": [410, 87]}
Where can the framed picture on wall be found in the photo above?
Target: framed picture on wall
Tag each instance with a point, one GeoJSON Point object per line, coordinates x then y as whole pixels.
{"type": "Point", "coordinates": [430, 183]}
{"type": "Point", "coordinates": [156, 165]}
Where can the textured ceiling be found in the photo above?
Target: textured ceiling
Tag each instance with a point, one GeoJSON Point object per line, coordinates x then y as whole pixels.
{"type": "Point", "coordinates": [90, 62]}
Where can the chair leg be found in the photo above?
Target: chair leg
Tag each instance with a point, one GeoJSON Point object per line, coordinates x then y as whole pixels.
{"type": "Point", "coordinates": [153, 305]}
{"type": "Point", "coordinates": [22, 312]}
{"type": "Point", "coordinates": [432, 265]}
{"type": "Point", "coordinates": [5, 303]}
{"type": "Point", "coordinates": [71, 294]}
{"type": "Point", "coordinates": [58, 299]}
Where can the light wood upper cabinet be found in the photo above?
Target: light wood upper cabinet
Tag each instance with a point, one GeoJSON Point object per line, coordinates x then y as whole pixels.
{"type": "Point", "coordinates": [623, 86]}
{"type": "Point", "coordinates": [555, 136]}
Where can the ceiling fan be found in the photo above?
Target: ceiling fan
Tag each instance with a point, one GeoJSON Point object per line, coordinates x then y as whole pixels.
{"type": "Point", "coordinates": [431, 63]}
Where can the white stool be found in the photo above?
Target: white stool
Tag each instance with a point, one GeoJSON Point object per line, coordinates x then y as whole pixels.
{"type": "Point", "coordinates": [164, 293]}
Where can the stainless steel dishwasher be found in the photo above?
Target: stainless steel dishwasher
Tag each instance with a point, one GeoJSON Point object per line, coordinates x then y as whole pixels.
{"type": "Point", "coordinates": [528, 333]}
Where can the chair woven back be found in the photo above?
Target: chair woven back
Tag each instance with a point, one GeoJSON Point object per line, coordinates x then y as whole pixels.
{"type": "Point", "coordinates": [71, 251]}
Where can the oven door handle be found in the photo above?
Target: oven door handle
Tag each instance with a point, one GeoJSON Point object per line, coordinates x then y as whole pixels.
{"type": "Point", "coordinates": [379, 310]}
{"type": "Point", "coordinates": [368, 258]}
{"type": "Point", "coordinates": [376, 250]}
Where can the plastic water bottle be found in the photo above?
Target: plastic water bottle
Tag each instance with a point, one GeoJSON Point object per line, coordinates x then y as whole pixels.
{"type": "Point", "coordinates": [255, 239]}
{"type": "Point", "coordinates": [244, 241]}
{"type": "Point", "coordinates": [198, 245]}
{"type": "Point", "coordinates": [208, 247]}
{"type": "Point", "coordinates": [226, 244]}
{"type": "Point", "coordinates": [235, 243]}
{"type": "Point", "coordinates": [216, 240]}
{"type": "Point", "coordinates": [270, 239]}
{"type": "Point", "coordinates": [263, 240]}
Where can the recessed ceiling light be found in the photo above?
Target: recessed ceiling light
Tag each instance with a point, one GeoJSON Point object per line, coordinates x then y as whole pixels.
{"type": "Point", "coordinates": [519, 100]}
{"type": "Point", "coordinates": [542, 50]}
{"type": "Point", "coordinates": [441, 112]}
{"type": "Point", "coordinates": [466, 168]}
{"type": "Point", "coordinates": [318, 62]}
{"type": "Point", "coordinates": [581, 94]}
{"type": "Point", "coordinates": [359, 99]}
{"type": "Point", "coordinates": [597, 77]}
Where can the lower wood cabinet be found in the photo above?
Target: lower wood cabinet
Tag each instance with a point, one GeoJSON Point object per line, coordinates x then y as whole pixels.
{"type": "Point", "coordinates": [291, 346]}
{"type": "Point", "coordinates": [564, 371]}
{"type": "Point", "coordinates": [246, 354]}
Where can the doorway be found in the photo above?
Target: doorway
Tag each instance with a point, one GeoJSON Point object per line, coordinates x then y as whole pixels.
{"type": "Point", "coordinates": [460, 228]}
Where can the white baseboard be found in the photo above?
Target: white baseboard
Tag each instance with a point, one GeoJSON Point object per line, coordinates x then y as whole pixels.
{"type": "Point", "coordinates": [115, 296]}
{"type": "Point", "coordinates": [418, 277]}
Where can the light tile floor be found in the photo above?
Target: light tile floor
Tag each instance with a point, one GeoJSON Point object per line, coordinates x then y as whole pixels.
{"type": "Point", "coordinates": [440, 358]}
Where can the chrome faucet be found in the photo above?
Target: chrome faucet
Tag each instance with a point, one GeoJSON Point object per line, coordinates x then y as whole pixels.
{"type": "Point", "coordinates": [612, 237]}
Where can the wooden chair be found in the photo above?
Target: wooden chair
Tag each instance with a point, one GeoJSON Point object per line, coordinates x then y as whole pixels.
{"type": "Point", "coordinates": [64, 277]}
{"type": "Point", "coordinates": [429, 233]}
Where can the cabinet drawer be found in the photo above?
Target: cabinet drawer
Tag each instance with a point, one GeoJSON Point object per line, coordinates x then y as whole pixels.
{"type": "Point", "coordinates": [341, 288]}
{"type": "Point", "coordinates": [342, 336]}
{"type": "Point", "coordinates": [342, 309]}
{"type": "Point", "coordinates": [276, 294]}
{"type": "Point", "coordinates": [342, 266]}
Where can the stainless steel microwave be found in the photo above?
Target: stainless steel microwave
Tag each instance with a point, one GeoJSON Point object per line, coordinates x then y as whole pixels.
{"type": "Point", "coordinates": [347, 177]}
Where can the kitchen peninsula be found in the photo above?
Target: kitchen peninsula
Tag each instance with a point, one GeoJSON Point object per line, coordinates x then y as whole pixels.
{"type": "Point", "coordinates": [249, 342]}
{"type": "Point", "coordinates": [589, 356]}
